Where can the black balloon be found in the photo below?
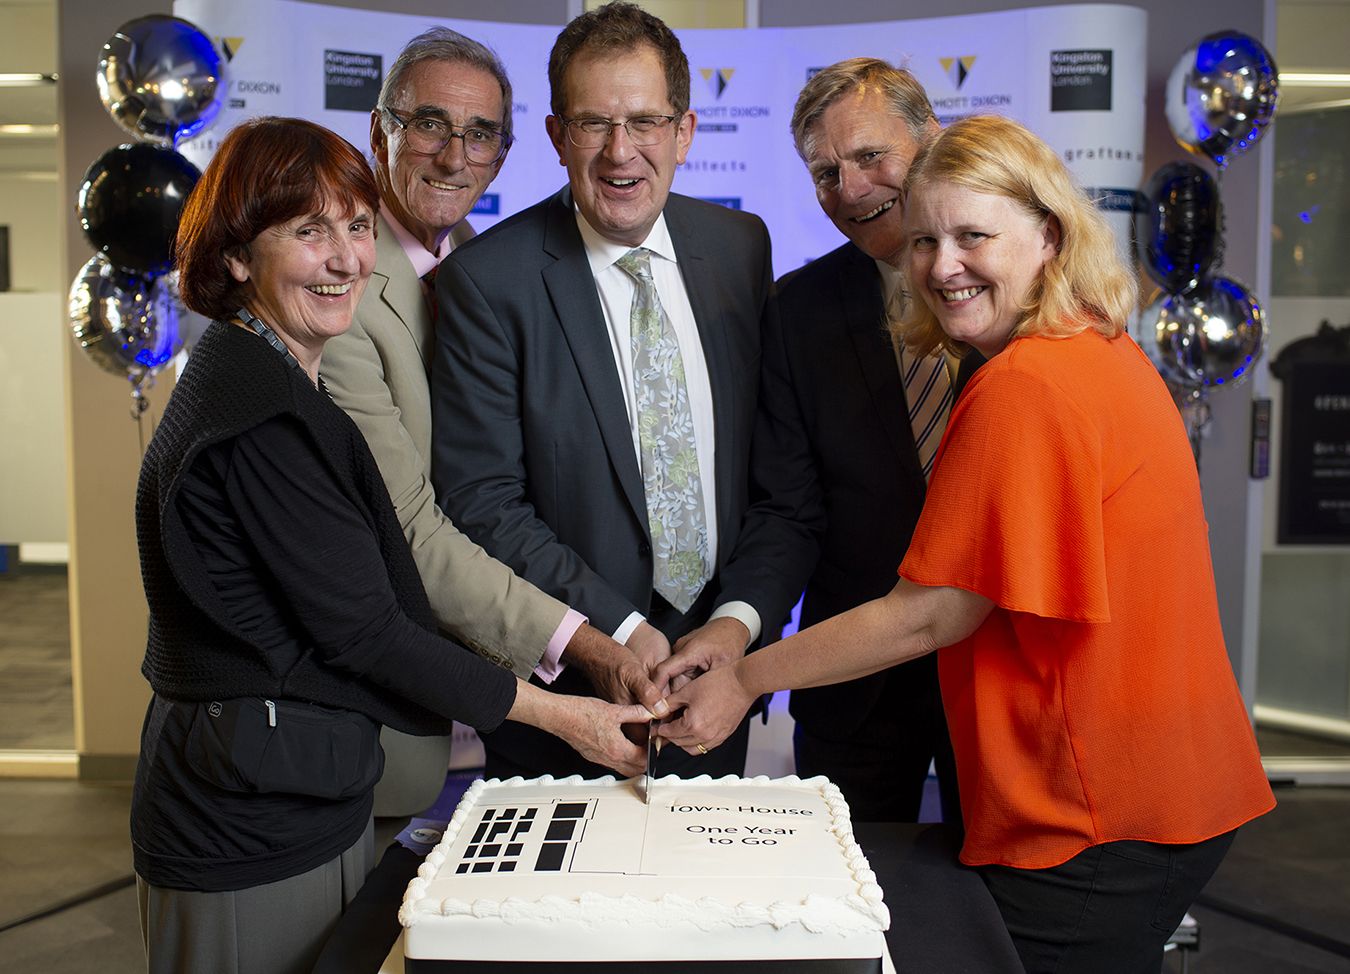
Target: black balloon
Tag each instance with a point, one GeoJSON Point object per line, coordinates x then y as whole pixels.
{"type": "Point", "coordinates": [1177, 230]}
{"type": "Point", "coordinates": [130, 202]}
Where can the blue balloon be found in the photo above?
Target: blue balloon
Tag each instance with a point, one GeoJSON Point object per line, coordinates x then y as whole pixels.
{"type": "Point", "coordinates": [1211, 337]}
{"type": "Point", "coordinates": [1222, 94]}
{"type": "Point", "coordinates": [128, 324]}
{"type": "Point", "coordinates": [161, 79]}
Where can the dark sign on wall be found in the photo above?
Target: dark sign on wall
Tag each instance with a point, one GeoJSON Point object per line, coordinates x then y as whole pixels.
{"type": "Point", "coordinates": [351, 80]}
{"type": "Point", "coordinates": [1080, 81]}
{"type": "Point", "coordinates": [1315, 438]}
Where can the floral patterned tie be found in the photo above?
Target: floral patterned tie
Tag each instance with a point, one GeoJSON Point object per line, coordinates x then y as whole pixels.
{"type": "Point", "coordinates": [670, 478]}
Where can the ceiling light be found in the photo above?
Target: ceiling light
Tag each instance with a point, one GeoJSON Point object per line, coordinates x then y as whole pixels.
{"type": "Point", "coordinates": [29, 79]}
{"type": "Point", "coordinates": [1315, 79]}
{"type": "Point", "coordinates": [24, 131]}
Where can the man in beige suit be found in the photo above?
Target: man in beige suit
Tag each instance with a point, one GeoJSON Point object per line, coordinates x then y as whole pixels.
{"type": "Point", "coordinates": [439, 136]}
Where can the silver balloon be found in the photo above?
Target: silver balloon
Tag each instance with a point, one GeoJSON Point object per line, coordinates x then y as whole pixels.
{"type": "Point", "coordinates": [1209, 337]}
{"type": "Point", "coordinates": [127, 324]}
{"type": "Point", "coordinates": [1164, 316]}
{"type": "Point", "coordinates": [1222, 95]}
{"type": "Point", "coordinates": [161, 79]}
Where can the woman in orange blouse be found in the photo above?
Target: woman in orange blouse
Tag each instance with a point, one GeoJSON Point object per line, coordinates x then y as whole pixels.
{"type": "Point", "coordinates": [1062, 566]}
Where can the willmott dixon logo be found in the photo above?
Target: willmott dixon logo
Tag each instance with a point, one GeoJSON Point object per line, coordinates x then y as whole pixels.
{"type": "Point", "coordinates": [229, 46]}
{"type": "Point", "coordinates": [957, 68]}
{"type": "Point", "coordinates": [717, 79]}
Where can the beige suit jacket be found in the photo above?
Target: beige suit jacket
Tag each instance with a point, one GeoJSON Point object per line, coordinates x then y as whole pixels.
{"type": "Point", "coordinates": [378, 373]}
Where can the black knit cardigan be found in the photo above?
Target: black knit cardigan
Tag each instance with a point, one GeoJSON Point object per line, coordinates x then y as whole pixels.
{"type": "Point", "coordinates": [233, 381]}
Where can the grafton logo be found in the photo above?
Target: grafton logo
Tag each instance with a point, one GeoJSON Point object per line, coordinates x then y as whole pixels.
{"type": "Point", "coordinates": [957, 68]}
{"type": "Point", "coordinates": [717, 79]}
{"type": "Point", "coordinates": [229, 46]}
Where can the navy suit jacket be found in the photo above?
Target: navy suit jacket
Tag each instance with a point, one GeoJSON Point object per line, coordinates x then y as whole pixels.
{"type": "Point", "coordinates": [533, 454]}
{"type": "Point", "coordinates": [835, 443]}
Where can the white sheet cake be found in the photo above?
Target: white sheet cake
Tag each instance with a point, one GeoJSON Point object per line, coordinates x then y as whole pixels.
{"type": "Point", "coordinates": [545, 871]}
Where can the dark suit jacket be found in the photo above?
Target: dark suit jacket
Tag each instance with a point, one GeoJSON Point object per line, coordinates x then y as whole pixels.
{"type": "Point", "coordinates": [835, 442]}
{"type": "Point", "coordinates": [533, 454]}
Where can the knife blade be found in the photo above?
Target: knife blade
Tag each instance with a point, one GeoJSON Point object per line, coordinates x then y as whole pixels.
{"type": "Point", "coordinates": [654, 742]}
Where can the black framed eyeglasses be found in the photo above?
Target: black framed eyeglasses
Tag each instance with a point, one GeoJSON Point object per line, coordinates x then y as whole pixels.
{"type": "Point", "coordinates": [592, 133]}
{"type": "Point", "coordinates": [429, 134]}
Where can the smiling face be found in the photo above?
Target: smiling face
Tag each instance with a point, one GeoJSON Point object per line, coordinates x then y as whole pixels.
{"type": "Point", "coordinates": [858, 154]}
{"type": "Point", "coordinates": [304, 277]}
{"type": "Point", "coordinates": [620, 188]}
{"type": "Point", "coordinates": [429, 194]}
{"type": "Point", "coordinates": [972, 259]}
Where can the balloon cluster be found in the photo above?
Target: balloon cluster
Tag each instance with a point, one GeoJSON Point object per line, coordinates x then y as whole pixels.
{"type": "Point", "coordinates": [1201, 329]}
{"type": "Point", "coordinates": [161, 79]}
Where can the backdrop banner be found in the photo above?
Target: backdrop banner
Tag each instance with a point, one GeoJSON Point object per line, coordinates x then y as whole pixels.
{"type": "Point", "coordinates": [1073, 74]}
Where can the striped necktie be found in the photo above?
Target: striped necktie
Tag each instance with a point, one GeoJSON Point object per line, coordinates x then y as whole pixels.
{"type": "Point", "coordinates": [928, 393]}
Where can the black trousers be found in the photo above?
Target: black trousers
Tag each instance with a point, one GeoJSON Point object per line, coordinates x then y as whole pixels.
{"type": "Point", "coordinates": [1108, 910]}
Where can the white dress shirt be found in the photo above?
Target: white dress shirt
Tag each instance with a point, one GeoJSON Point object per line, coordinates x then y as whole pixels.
{"type": "Point", "coordinates": [615, 288]}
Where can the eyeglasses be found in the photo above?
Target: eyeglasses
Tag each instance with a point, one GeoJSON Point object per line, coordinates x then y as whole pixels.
{"type": "Point", "coordinates": [593, 133]}
{"type": "Point", "coordinates": [428, 134]}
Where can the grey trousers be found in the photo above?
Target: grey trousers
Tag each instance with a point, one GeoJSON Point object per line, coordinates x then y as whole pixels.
{"type": "Point", "coordinates": [276, 928]}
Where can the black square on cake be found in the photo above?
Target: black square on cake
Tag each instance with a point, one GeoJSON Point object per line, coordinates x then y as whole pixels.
{"type": "Point", "coordinates": [560, 831]}
{"type": "Point", "coordinates": [570, 810]}
{"type": "Point", "coordinates": [550, 857]}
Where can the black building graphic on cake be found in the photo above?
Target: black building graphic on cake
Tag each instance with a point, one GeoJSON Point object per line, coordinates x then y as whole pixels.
{"type": "Point", "coordinates": [541, 836]}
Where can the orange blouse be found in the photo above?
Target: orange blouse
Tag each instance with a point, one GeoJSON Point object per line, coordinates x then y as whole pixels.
{"type": "Point", "coordinates": [1097, 701]}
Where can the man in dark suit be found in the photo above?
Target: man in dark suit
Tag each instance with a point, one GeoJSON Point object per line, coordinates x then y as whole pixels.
{"type": "Point", "coordinates": [597, 372]}
{"type": "Point", "coordinates": [850, 422]}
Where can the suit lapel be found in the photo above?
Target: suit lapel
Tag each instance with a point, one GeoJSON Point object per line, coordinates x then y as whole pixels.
{"type": "Point", "coordinates": [571, 289]}
{"type": "Point", "coordinates": [861, 297]}
{"type": "Point", "coordinates": [702, 283]}
{"type": "Point", "coordinates": [400, 291]}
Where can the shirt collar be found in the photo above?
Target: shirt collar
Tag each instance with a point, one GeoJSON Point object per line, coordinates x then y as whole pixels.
{"type": "Point", "coordinates": [891, 280]}
{"type": "Point", "coordinates": [423, 260]}
{"type": "Point", "coordinates": [602, 253]}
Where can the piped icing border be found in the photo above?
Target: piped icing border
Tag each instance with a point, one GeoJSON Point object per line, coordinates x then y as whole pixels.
{"type": "Point", "coordinates": [860, 912]}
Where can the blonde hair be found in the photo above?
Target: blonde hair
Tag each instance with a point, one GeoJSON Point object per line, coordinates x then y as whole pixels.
{"type": "Point", "coordinates": [1085, 285]}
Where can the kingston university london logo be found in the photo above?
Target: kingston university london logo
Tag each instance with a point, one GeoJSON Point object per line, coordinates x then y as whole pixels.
{"type": "Point", "coordinates": [957, 69]}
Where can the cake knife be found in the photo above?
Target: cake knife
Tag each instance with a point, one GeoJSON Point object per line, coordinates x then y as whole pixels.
{"type": "Point", "coordinates": [654, 742]}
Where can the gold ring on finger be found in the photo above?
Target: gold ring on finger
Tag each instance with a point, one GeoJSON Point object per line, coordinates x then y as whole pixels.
{"type": "Point", "coordinates": [701, 749]}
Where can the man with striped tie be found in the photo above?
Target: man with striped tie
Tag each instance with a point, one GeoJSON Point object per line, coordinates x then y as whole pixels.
{"type": "Point", "coordinates": [851, 423]}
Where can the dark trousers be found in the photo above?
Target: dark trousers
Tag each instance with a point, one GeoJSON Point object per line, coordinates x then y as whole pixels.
{"type": "Point", "coordinates": [882, 765]}
{"type": "Point", "coordinates": [1108, 910]}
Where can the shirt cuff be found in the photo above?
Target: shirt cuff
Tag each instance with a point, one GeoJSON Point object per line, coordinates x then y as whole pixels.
{"type": "Point", "coordinates": [742, 612]}
{"type": "Point", "coordinates": [627, 626]}
{"type": "Point", "coordinates": [551, 665]}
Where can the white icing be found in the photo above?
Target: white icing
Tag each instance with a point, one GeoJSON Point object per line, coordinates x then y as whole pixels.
{"type": "Point", "coordinates": [776, 876]}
